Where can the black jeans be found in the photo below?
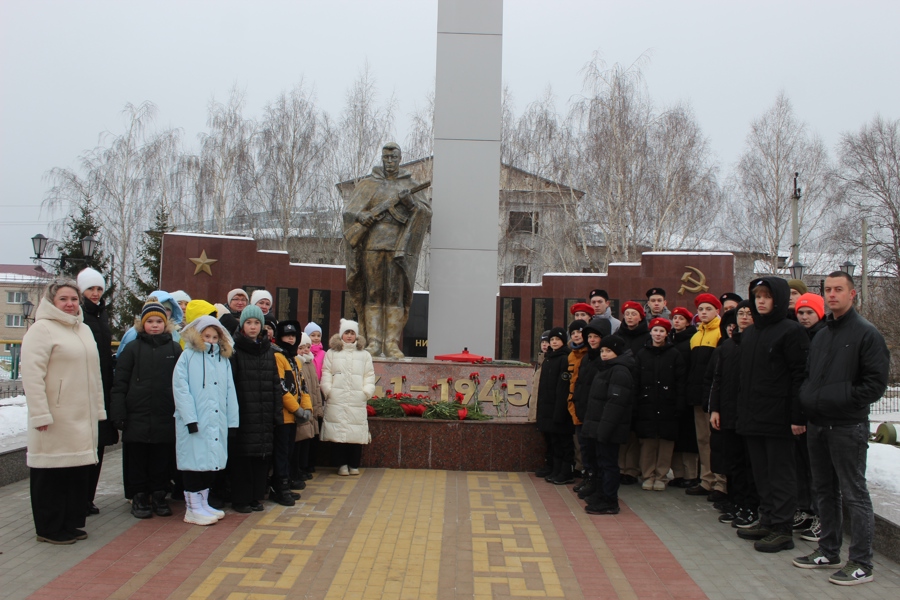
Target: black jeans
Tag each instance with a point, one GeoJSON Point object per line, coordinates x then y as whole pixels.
{"type": "Point", "coordinates": [563, 447]}
{"type": "Point", "coordinates": [57, 499]}
{"type": "Point", "coordinates": [197, 481]}
{"type": "Point", "coordinates": [806, 501]}
{"type": "Point", "coordinates": [775, 474]}
{"type": "Point", "coordinates": [248, 476]}
{"type": "Point", "coordinates": [736, 467]}
{"type": "Point", "coordinates": [608, 469]}
{"type": "Point", "coordinates": [837, 459]}
{"type": "Point", "coordinates": [588, 451]}
{"type": "Point", "coordinates": [283, 450]}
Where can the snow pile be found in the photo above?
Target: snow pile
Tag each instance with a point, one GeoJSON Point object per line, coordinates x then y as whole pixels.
{"type": "Point", "coordinates": [13, 416]}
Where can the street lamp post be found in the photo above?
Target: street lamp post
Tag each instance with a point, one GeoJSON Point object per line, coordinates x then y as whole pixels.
{"type": "Point", "coordinates": [40, 244]}
{"type": "Point", "coordinates": [16, 350]}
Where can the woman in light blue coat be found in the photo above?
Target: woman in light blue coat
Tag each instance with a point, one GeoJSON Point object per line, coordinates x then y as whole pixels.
{"type": "Point", "coordinates": [205, 409]}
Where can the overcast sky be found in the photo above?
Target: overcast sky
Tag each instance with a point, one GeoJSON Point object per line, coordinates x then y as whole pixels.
{"type": "Point", "coordinates": [68, 67]}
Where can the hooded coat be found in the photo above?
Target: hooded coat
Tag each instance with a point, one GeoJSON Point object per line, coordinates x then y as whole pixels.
{"type": "Point", "coordinates": [259, 395]}
{"type": "Point", "coordinates": [63, 389]}
{"type": "Point", "coordinates": [204, 395]}
{"type": "Point", "coordinates": [553, 394]}
{"type": "Point", "coordinates": [610, 401]}
{"type": "Point", "coordinates": [96, 317]}
{"type": "Point", "coordinates": [660, 391]}
{"type": "Point", "coordinates": [348, 381]}
{"type": "Point", "coordinates": [773, 365]}
{"type": "Point", "coordinates": [142, 397]}
{"type": "Point", "coordinates": [703, 344]}
{"type": "Point", "coordinates": [310, 429]}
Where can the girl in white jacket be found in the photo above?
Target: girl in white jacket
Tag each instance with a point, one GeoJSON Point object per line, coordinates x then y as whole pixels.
{"type": "Point", "coordinates": [348, 381]}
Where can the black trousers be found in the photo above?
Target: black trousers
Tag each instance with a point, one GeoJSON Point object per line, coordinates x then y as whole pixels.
{"type": "Point", "coordinates": [248, 476]}
{"type": "Point", "coordinates": [94, 476]}
{"type": "Point", "coordinates": [806, 500]}
{"type": "Point", "coordinates": [197, 481]}
{"type": "Point", "coordinates": [775, 475]}
{"type": "Point", "coordinates": [283, 450]}
{"type": "Point", "coordinates": [300, 461]}
{"type": "Point", "coordinates": [148, 466]}
{"type": "Point", "coordinates": [731, 450]}
{"type": "Point", "coordinates": [563, 447]}
{"type": "Point", "coordinates": [57, 499]}
{"type": "Point", "coordinates": [348, 454]}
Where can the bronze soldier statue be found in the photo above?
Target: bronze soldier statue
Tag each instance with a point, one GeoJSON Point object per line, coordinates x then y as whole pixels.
{"type": "Point", "coordinates": [385, 222]}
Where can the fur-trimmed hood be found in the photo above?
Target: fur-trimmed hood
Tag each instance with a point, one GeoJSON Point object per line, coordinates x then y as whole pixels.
{"type": "Point", "coordinates": [192, 335]}
{"type": "Point", "coordinates": [337, 344]}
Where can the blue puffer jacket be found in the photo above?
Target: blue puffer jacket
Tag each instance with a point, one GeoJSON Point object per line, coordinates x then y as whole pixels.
{"type": "Point", "coordinates": [205, 395]}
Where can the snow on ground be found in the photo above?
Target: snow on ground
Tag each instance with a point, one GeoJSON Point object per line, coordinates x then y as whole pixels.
{"type": "Point", "coordinates": [13, 416]}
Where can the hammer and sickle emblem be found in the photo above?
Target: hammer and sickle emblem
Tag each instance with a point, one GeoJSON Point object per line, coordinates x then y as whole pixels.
{"type": "Point", "coordinates": [698, 286]}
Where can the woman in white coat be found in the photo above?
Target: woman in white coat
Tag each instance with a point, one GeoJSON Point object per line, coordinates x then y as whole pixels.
{"type": "Point", "coordinates": [348, 381]}
{"type": "Point", "coordinates": [64, 395]}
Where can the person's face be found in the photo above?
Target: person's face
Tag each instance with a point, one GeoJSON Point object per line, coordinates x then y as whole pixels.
{"type": "Point", "coordinates": [607, 354]}
{"type": "Point", "coordinates": [744, 318]}
{"type": "Point", "coordinates": [679, 323]}
{"type": "Point", "coordinates": [349, 337]}
{"type": "Point", "coordinates": [763, 299]}
{"type": "Point", "coordinates": [304, 349]}
{"type": "Point", "coordinates": [582, 315]}
{"type": "Point", "coordinates": [729, 329]}
{"type": "Point", "coordinates": [556, 343]}
{"type": "Point", "coordinates": [728, 305]}
{"type": "Point", "coordinates": [94, 293]}
{"type": "Point", "coordinates": [183, 304]}
{"type": "Point", "coordinates": [66, 300]}
{"type": "Point", "coordinates": [594, 340]}
{"type": "Point", "coordinates": [545, 345]}
{"type": "Point", "coordinates": [390, 159]}
{"type": "Point", "coordinates": [657, 303]}
{"type": "Point", "coordinates": [795, 295]}
{"type": "Point", "coordinates": [154, 325]}
{"type": "Point", "coordinates": [251, 328]}
{"type": "Point", "coordinates": [707, 312]}
{"type": "Point", "coordinates": [269, 331]}
{"type": "Point", "coordinates": [264, 304]}
{"type": "Point", "coordinates": [576, 336]}
{"type": "Point", "coordinates": [315, 337]}
{"type": "Point", "coordinates": [658, 335]}
{"type": "Point", "coordinates": [289, 339]}
{"type": "Point", "coordinates": [238, 302]}
{"type": "Point", "coordinates": [632, 318]}
{"type": "Point", "coordinates": [807, 317]}
{"type": "Point", "coordinates": [211, 335]}
{"type": "Point", "coordinates": [600, 304]}
{"type": "Point", "coordinates": [839, 295]}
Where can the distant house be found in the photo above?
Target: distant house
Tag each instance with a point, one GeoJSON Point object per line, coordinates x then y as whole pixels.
{"type": "Point", "coordinates": [18, 284]}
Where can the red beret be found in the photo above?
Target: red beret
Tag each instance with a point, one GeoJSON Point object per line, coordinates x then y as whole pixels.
{"type": "Point", "coordinates": [582, 307]}
{"type": "Point", "coordinates": [635, 306]}
{"type": "Point", "coordinates": [707, 299]}
{"type": "Point", "coordinates": [660, 322]}
{"type": "Point", "coordinates": [683, 312]}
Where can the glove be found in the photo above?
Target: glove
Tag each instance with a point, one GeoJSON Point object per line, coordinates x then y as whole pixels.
{"type": "Point", "coordinates": [302, 415]}
{"type": "Point", "coordinates": [192, 428]}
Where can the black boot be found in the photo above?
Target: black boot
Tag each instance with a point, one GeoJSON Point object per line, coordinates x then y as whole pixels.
{"type": "Point", "coordinates": [566, 474]}
{"type": "Point", "coordinates": [584, 482]}
{"type": "Point", "coordinates": [557, 465]}
{"type": "Point", "coordinates": [591, 486]}
{"type": "Point", "coordinates": [160, 506]}
{"type": "Point", "coordinates": [544, 471]}
{"type": "Point", "coordinates": [281, 493]}
{"type": "Point", "coordinates": [140, 506]}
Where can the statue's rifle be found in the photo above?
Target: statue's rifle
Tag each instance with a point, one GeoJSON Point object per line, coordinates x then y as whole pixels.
{"type": "Point", "coordinates": [357, 231]}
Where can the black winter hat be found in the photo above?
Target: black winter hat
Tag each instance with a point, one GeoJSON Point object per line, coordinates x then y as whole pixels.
{"type": "Point", "coordinates": [287, 327]}
{"type": "Point", "coordinates": [614, 343]}
{"type": "Point", "coordinates": [558, 332]}
{"type": "Point", "coordinates": [577, 325]}
{"type": "Point", "coordinates": [545, 335]}
{"type": "Point", "coordinates": [597, 326]}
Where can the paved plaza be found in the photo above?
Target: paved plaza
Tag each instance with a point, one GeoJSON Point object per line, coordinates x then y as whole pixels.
{"type": "Point", "coordinates": [411, 534]}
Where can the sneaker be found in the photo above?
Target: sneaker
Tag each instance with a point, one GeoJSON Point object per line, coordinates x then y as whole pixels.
{"type": "Point", "coordinates": [776, 541]}
{"type": "Point", "coordinates": [816, 560]}
{"type": "Point", "coordinates": [659, 486]}
{"type": "Point", "coordinates": [602, 509]}
{"type": "Point", "coordinates": [256, 506]}
{"type": "Point", "coordinates": [60, 539]}
{"type": "Point", "coordinates": [802, 520]}
{"type": "Point", "coordinates": [354, 471]}
{"type": "Point", "coordinates": [93, 510]}
{"type": "Point", "coordinates": [757, 532]}
{"type": "Point", "coordinates": [585, 482]}
{"type": "Point", "coordinates": [746, 519]}
{"type": "Point", "coordinates": [344, 471]}
{"type": "Point", "coordinates": [814, 532]}
{"type": "Point", "coordinates": [241, 508]}
{"type": "Point", "coordinates": [648, 484]}
{"type": "Point", "coordinates": [588, 488]}
{"type": "Point", "coordinates": [852, 574]}
{"type": "Point", "coordinates": [727, 517]}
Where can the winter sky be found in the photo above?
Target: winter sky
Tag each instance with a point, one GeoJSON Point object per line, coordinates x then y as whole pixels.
{"type": "Point", "coordinates": [67, 67]}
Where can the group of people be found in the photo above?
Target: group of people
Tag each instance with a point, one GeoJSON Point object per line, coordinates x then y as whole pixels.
{"type": "Point", "coordinates": [760, 405]}
{"type": "Point", "coordinates": [216, 402]}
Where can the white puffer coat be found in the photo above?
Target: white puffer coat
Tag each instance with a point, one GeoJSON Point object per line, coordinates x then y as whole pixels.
{"type": "Point", "coordinates": [348, 381]}
{"type": "Point", "coordinates": [63, 389]}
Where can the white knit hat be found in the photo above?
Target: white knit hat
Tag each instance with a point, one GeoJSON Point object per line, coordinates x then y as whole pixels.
{"type": "Point", "coordinates": [304, 340]}
{"type": "Point", "coordinates": [349, 326]}
{"type": "Point", "coordinates": [180, 296]}
{"type": "Point", "coordinates": [234, 293]}
{"type": "Point", "coordinates": [259, 295]}
{"type": "Point", "coordinates": [90, 278]}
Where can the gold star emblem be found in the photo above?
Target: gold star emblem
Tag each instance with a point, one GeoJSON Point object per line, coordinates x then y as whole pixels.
{"type": "Point", "coordinates": [203, 264]}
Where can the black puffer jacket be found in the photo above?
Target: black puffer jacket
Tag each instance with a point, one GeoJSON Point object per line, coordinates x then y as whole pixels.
{"type": "Point", "coordinates": [142, 396]}
{"type": "Point", "coordinates": [634, 338]}
{"type": "Point", "coordinates": [812, 331]}
{"type": "Point", "coordinates": [682, 341]}
{"type": "Point", "coordinates": [259, 394]}
{"type": "Point", "coordinates": [96, 318]}
{"type": "Point", "coordinates": [703, 344]}
{"type": "Point", "coordinates": [723, 394]}
{"type": "Point", "coordinates": [660, 397]}
{"type": "Point", "coordinates": [773, 365]}
{"type": "Point", "coordinates": [610, 403]}
{"type": "Point", "coordinates": [553, 394]}
{"type": "Point", "coordinates": [848, 370]}
{"type": "Point", "coordinates": [586, 373]}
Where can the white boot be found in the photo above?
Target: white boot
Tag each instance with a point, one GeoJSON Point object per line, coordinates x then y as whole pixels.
{"type": "Point", "coordinates": [204, 498]}
{"type": "Point", "coordinates": [193, 504]}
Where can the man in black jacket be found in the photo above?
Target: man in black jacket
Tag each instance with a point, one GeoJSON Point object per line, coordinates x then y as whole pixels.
{"type": "Point", "coordinates": [848, 371]}
{"type": "Point", "coordinates": [772, 367]}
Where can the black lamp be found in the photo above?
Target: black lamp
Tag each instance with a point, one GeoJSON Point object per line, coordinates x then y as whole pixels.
{"type": "Point", "coordinates": [797, 270]}
{"type": "Point", "coordinates": [848, 267]}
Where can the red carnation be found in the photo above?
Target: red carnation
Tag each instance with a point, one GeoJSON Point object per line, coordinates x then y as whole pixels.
{"type": "Point", "coordinates": [463, 413]}
{"type": "Point", "coordinates": [503, 386]}
{"type": "Point", "coordinates": [460, 396]}
{"type": "Point", "coordinates": [370, 410]}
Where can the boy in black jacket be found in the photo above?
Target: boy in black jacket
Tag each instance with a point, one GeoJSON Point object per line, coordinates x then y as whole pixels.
{"type": "Point", "coordinates": [553, 418]}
